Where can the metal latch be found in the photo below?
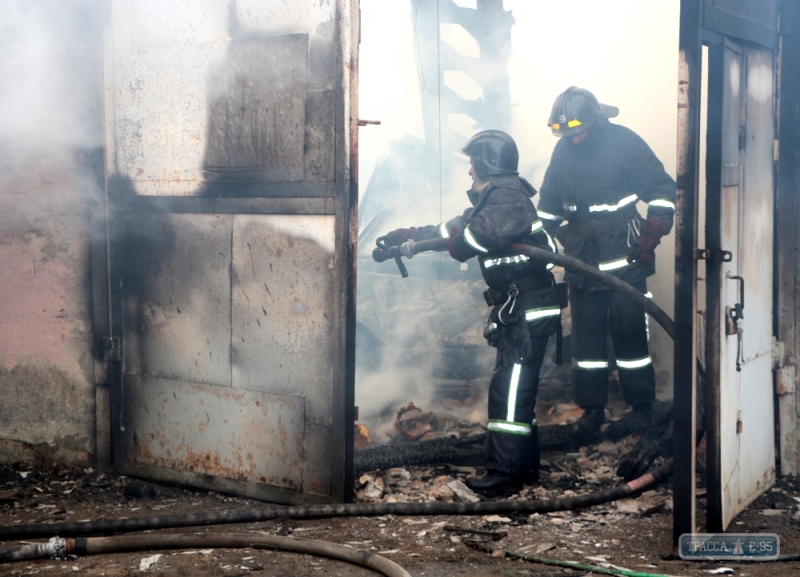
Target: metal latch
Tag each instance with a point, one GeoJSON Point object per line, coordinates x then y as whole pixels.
{"type": "Point", "coordinates": [112, 349]}
{"type": "Point", "coordinates": [733, 317]}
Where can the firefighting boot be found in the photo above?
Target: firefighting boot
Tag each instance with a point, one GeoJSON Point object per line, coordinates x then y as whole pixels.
{"type": "Point", "coordinates": [588, 426]}
{"type": "Point", "coordinates": [493, 483]}
{"type": "Point", "coordinates": [640, 419]}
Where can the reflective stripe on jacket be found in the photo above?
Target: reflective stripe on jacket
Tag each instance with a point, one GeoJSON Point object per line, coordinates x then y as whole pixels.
{"type": "Point", "coordinates": [594, 187]}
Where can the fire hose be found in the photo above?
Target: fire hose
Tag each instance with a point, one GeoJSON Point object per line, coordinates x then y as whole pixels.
{"type": "Point", "coordinates": [380, 254]}
{"type": "Point", "coordinates": [338, 510]}
{"type": "Point", "coordinates": [411, 248]}
{"type": "Point", "coordinates": [60, 548]}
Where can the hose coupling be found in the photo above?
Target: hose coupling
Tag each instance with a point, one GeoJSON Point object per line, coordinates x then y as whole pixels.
{"type": "Point", "coordinates": [56, 548]}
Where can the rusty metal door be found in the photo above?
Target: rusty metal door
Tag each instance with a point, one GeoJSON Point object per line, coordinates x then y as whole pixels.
{"type": "Point", "coordinates": [230, 144]}
{"type": "Point", "coordinates": [741, 458]}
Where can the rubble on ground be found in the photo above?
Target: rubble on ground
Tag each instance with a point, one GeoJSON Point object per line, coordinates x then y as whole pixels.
{"type": "Point", "coordinates": [634, 533]}
{"type": "Point", "coordinates": [442, 436]}
{"type": "Point", "coordinates": [591, 468]}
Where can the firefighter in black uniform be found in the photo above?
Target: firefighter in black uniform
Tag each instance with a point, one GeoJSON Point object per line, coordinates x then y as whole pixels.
{"type": "Point", "coordinates": [596, 175]}
{"type": "Point", "coordinates": [522, 294]}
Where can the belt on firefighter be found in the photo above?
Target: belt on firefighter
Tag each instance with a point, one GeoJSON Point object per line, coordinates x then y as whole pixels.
{"type": "Point", "coordinates": [498, 296]}
{"type": "Point", "coordinates": [597, 225]}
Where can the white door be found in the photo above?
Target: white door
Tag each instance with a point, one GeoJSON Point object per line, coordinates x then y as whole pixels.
{"type": "Point", "coordinates": [745, 435]}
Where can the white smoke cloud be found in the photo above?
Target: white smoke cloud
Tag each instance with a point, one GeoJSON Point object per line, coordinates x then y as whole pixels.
{"type": "Point", "coordinates": [50, 65]}
{"type": "Point", "coordinates": [625, 51]}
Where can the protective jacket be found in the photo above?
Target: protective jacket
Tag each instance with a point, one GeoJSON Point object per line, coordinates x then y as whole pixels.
{"type": "Point", "coordinates": [503, 213]}
{"type": "Point", "coordinates": [594, 186]}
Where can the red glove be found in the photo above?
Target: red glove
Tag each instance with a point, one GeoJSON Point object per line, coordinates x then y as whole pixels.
{"type": "Point", "coordinates": [401, 235]}
{"type": "Point", "coordinates": [458, 247]}
{"type": "Point", "coordinates": [643, 249]}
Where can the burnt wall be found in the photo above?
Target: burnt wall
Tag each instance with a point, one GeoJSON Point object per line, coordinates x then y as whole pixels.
{"type": "Point", "coordinates": [50, 114]}
{"type": "Point", "coordinates": [46, 366]}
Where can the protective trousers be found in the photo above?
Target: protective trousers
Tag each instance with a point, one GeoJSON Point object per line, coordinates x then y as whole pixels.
{"type": "Point", "coordinates": [513, 436]}
{"type": "Point", "coordinates": [594, 313]}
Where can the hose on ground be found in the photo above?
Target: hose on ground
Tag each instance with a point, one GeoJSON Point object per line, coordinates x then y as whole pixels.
{"type": "Point", "coordinates": [377, 509]}
{"type": "Point", "coordinates": [339, 510]}
{"type": "Point", "coordinates": [105, 545]}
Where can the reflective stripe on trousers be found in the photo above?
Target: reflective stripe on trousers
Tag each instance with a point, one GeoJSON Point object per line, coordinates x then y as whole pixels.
{"type": "Point", "coordinates": [592, 365]}
{"type": "Point", "coordinates": [509, 424]}
{"type": "Point", "coordinates": [621, 363]}
{"type": "Point", "coordinates": [594, 315]}
{"type": "Point", "coordinates": [634, 363]}
{"type": "Point", "coordinates": [510, 427]}
{"type": "Point", "coordinates": [512, 444]}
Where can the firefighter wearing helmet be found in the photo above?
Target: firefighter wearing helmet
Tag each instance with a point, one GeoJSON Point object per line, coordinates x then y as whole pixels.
{"type": "Point", "coordinates": [597, 174]}
{"type": "Point", "coordinates": [522, 294]}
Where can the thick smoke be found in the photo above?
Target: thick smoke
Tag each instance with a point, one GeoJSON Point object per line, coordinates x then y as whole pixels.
{"type": "Point", "coordinates": [51, 65]}
{"type": "Point", "coordinates": [611, 48]}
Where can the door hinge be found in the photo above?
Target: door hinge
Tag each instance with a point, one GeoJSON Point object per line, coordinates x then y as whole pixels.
{"type": "Point", "coordinates": [785, 381]}
{"type": "Point", "coordinates": [112, 349]}
{"type": "Point", "coordinates": [742, 136]}
{"type": "Point", "coordinates": [778, 353]}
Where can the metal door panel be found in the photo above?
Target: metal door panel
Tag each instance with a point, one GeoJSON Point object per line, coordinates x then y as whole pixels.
{"type": "Point", "coordinates": [257, 119]}
{"type": "Point", "coordinates": [746, 446]}
{"type": "Point", "coordinates": [317, 471]}
{"type": "Point", "coordinates": [159, 118]}
{"type": "Point", "coordinates": [731, 117]}
{"type": "Point", "coordinates": [233, 300]}
{"type": "Point", "coordinates": [282, 307]}
{"type": "Point", "coordinates": [176, 311]}
{"type": "Point", "coordinates": [757, 211]}
{"type": "Point", "coordinates": [138, 25]}
{"type": "Point", "coordinates": [757, 436]}
{"type": "Point", "coordinates": [729, 389]}
{"type": "Point", "coordinates": [729, 402]}
{"type": "Point", "coordinates": [756, 418]}
{"type": "Point", "coordinates": [218, 431]}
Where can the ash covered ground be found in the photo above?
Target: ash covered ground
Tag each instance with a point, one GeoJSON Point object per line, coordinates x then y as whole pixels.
{"type": "Point", "coordinates": [633, 533]}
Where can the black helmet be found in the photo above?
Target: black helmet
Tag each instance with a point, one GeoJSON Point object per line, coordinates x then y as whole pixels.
{"type": "Point", "coordinates": [492, 152]}
{"type": "Point", "coordinates": [575, 110]}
